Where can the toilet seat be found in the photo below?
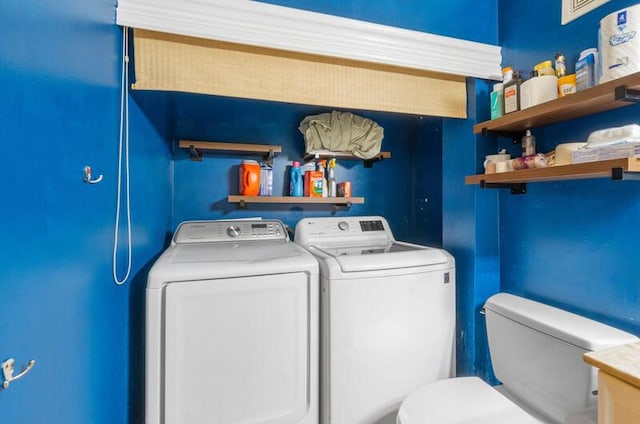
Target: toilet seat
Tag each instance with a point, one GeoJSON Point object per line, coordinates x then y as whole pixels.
{"type": "Point", "coordinates": [462, 400]}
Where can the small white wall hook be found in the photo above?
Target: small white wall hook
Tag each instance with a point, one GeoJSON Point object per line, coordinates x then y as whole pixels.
{"type": "Point", "coordinates": [87, 176]}
{"type": "Point", "coordinates": [7, 371]}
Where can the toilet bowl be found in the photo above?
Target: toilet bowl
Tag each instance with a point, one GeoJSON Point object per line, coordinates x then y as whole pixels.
{"type": "Point", "coordinates": [462, 400]}
{"type": "Point", "coordinates": [536, 352]}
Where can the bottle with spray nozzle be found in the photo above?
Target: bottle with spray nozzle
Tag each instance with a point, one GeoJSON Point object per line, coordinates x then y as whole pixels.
{"type": "Point", "coordinates": [331, 179]}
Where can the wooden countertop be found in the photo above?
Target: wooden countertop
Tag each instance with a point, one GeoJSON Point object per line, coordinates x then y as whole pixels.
{"type": "Point", "coordinates": [622, 362]}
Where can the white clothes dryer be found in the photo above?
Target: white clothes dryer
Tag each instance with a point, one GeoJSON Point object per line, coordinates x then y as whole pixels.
{"type": "Point", "coordinates": [387, 317]}
{"type": "Point", "coordinates": [232, 327]}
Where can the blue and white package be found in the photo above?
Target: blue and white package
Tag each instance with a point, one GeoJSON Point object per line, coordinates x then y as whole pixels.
{"type": "Point", "coordinates": [586, 69]}
{"type": "Point", "coordinates": [619, 42]}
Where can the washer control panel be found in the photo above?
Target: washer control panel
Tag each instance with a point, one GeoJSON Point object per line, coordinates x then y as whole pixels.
{"type": "Point", "coordinates": [313, 231]}
{"type": "Point", "coordinates": [219, 231]}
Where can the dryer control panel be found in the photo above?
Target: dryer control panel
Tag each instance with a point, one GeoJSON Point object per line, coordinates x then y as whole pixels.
{"type": "Point", "coordinates": [220, 231]}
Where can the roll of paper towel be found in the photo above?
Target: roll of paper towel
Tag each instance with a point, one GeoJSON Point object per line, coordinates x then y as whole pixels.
{"type": "Point", "coordinates": [620, 43]}
{"type": "Point", "coordinates": [538, 90]}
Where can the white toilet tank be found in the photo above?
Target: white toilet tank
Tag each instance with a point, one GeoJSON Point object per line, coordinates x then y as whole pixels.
{"type": "Point", "coordinates": [536, 352]}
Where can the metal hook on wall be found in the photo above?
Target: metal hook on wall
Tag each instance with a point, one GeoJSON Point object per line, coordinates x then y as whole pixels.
{"type": "Point", "coordinates": [7, 371]}
{"type": "Point", "coordinates": [87, 176]}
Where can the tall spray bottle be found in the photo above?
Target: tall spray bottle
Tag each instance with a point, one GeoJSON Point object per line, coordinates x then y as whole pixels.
{"type": "Point", "coordinates": [331, 179]}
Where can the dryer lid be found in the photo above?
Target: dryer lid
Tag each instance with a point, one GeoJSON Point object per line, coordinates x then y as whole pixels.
{"type": "Point", "coordinates": [462, 400]}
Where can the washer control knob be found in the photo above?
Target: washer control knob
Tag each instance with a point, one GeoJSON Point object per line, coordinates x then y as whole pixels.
{"type": "Point", "coordinates": [233, 231]}
{"type": "Point", "coordinates": [343, 225]}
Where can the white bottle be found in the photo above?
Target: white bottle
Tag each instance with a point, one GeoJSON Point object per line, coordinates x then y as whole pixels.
{"type": "Point", "coordinates": [528, 144]}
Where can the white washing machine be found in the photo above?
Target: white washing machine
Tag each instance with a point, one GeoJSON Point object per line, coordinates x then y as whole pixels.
{"type": "Point", "coordinates": [387, 317]}
{"type": "Point", "coordinates": [232, 327]}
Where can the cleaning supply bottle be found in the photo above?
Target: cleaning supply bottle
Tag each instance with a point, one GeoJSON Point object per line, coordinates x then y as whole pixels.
{"type": "Point", "coordinates": [528, 144]}
{"type": "Point", "coordinates": [512, 93]}
{"type": "Point", "coordinates": [497, 101]}
{"type": "Point", "coordinates": [295, 179]}
{"type": "Point", "coordinates": [331, 179]}
{"type": "Point", "coordinates": [322, 166]}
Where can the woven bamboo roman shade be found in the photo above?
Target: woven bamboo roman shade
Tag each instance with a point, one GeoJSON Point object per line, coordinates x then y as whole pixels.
{"type": "Point", "coordinates": [172, 62]}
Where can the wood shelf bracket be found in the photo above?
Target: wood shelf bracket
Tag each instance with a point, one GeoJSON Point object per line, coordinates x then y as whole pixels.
{"type": "Point", "coordinates": [622, 93]}
{"type": "Point", "coordinates": [516, 188]}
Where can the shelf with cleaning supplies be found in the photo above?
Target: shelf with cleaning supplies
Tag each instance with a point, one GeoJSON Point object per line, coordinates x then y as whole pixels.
{"type": "Point", "coordinates": [337, 202]}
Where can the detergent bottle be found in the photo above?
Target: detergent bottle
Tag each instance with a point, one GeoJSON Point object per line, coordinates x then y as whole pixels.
{"type": "Point", "coordinates": [295, 179]}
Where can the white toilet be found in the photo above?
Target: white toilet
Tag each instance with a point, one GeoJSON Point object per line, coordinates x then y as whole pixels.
{"type": "Point", "coordinates": [536, 352]}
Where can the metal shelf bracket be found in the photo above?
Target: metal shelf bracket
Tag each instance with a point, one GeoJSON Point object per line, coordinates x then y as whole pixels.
{"type": "Point", "coordinates": [368, 163]}
{"type": "Point", "coordinates": [516, 188]}
{"type": "Point", "coordinates": [619, 174]}
{"type": "Point", "coordinates": [268, 158]}
{"type": "Point", "coordinates": [341, 206]}
{"type": "Point", "coordinates": [625, 94]}
{"type": "Point", "coordinates": [515, 136]}
{"type": "Point", "coordinates": [194, 154]}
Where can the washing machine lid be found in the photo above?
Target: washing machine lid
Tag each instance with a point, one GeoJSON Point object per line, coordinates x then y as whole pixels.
{"type": "Point", "coordinates": [462, 400]}
{"type": "Point", "coordinates": [385, 256]}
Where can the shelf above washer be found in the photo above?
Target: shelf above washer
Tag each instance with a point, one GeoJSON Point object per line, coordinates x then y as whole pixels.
{"type": "Point", "coordinates": [267, 151]}
{"type": "Point", "coordinates": [338, 202]}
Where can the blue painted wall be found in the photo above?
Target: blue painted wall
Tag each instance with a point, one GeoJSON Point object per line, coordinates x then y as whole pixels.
{"type": "Point", "coordinates": [59, 70]}
{"type": "Point", "coordinates": [470, 231]}
{"type": "Point", "coordinates": [390, 187]}
{"type": "Point", "coordinates": [59, 65]}
{"type": "Point", "coordinates": [571, 243]}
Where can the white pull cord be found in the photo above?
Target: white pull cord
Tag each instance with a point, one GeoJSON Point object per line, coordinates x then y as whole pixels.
{"type": "Point", "coordinates": [124, 135]}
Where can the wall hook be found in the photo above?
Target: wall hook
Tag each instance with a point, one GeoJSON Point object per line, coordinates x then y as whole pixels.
{"type": "Point", "coordinates": [7, 371]}
{"type": "Point", "coordinates": [87, 176]}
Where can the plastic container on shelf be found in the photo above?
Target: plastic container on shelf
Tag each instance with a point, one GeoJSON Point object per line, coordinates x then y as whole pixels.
{"type": "Point", "coordinates": [266, 180]}
{"type": "Point", "coordinates": [512, 93]}
{"type": "Point", "coordinates": [567, 85]}
{"type": "Point", "coordinates": [528, 144]}
{"type": "Point", "coordinates": [331, 179]}
{"type": "Point", "coordinates": [249, 178]}
{"type": "Point", "coordinates": [295, 180]}
{"type": "Point", "coordinates": [497, 101]}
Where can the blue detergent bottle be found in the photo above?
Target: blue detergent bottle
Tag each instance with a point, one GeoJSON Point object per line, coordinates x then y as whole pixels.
{"type": "Point", "coordinates": [295, 178]}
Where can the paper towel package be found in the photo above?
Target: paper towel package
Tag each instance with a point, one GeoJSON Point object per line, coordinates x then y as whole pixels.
{"type": "Point", "coordinates": [538, 90]}
{"type": "Point", "coordinates": [620, 43]}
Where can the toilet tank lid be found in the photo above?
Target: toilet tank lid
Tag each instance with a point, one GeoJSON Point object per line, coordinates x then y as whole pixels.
{"type": "Point", "coordinates": [582, 332]}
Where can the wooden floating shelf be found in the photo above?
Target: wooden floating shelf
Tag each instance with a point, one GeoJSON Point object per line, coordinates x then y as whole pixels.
{"type": "Point", "coordinates": [336, 201]}
{"type": "Point", "coordinates": [268, 151]}
{"type": "Point", "coordinates": [328, 154]}
{"type": "Point", "coordinates": [615, 169]}
{"type": "Point", "coordinates": [603, 97]}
